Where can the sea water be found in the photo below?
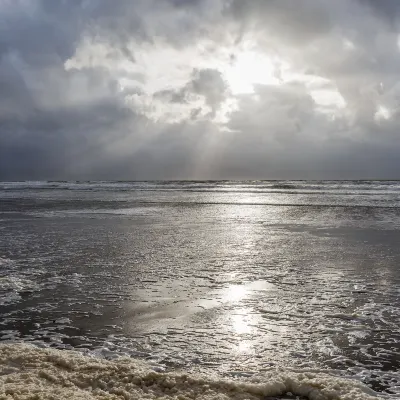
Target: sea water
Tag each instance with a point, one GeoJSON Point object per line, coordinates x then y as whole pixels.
{"type": "Point", "coordinates": [264, 283]}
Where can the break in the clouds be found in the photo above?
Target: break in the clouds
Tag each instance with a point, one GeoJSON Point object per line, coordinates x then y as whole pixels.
{"type": "Point", "coordinates": [192, 89]}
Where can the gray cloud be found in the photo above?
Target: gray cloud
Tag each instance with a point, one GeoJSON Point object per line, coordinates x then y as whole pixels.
{"type": "Point", "coordinates": [285, 20]}
{"type": "Point", "coordinates": [388, 9]}
{"type": "Point", "coordinates": [208, 83]}
{"type": "Point", "coordinates": [77, 121]}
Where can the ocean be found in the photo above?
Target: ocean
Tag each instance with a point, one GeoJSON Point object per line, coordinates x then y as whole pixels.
{"type": "Point", "coordinates": [233, 280]}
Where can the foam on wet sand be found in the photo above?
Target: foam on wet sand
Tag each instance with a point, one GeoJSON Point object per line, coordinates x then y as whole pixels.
{"type": "Point", "coordinates": [27, 372]}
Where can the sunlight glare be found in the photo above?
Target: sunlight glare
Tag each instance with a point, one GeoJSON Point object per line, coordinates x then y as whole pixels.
{"type": "Point", "coordinates": [240, 324]}
{"type": "Point", "coordinates": [245, 347]}
{"type": "Point", "coordinates": [249, 68]}
{"type": "Point", "coordinates": [235, 293]}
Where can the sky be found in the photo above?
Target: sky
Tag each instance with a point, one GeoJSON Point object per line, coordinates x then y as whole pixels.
{"type": "Point", "coordinates": [199, 89]}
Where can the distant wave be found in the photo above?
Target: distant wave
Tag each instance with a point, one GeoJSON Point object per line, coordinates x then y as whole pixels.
{"type": "Point", "coordinates": [305, 187]}
{"type": "Point", "coordinates": [283, 186]}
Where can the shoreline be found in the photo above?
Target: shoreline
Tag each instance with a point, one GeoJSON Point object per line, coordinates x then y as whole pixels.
{"type": "Point", "coordinates": [27, 371]}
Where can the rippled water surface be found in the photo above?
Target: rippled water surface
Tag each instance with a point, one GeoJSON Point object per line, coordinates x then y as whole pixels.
{"type": "Point", "coordinates": [236, 277]}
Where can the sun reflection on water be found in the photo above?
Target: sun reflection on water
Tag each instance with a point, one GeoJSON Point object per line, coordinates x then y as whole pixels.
{"type": "Point", "coordinates": [240, 324]}
{"type": "Point", "coordinates": [236, 293]}
{"type": "Point", "coordinates": [245, 347]}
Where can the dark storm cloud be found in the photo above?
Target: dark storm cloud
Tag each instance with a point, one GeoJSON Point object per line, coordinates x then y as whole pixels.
{"type": "Point", "coordinates": [389, 9]}
{"type": "Point", "coordinates": [61, 119]}
{"type": "Point", "coordinates": [41, 32]}
{"type": "Point", "coordinates": [309, 143]}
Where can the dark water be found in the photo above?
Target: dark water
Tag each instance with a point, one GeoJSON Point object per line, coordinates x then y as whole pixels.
{"type": "Point", "coordinates": [230, 276]}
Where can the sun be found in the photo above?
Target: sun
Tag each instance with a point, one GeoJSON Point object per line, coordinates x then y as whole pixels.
{"type": "Point", "coordinates": [248, 68]}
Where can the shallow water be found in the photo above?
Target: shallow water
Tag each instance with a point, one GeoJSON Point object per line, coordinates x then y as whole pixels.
{"type": "Point", "coordinates": [231, 277]}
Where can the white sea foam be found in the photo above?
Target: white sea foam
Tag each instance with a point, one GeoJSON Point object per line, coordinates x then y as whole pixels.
{"type": "Point", "coordinates": [12, 286]}
{"type": "Point", "coordinates": [30, 372]}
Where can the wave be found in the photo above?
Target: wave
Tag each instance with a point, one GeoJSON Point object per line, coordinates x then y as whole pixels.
{"type": "Point", "coordinates": [13, 288]}
{"type": "Point", "coordinates": [211, 186]}
{"type": "Point", "coordinates": [27, 372]}
{"type": "Point", "coordinates": [283, 186]}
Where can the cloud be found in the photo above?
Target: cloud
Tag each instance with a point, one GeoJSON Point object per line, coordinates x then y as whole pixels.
{"type": "Point", "coordinates": [282, 20]}
{"type": "Point", "coordinates": [160, 89]}
{"type": "Point", "coordinates": [209, 83]}
{"type": "Point", "coordinates": [205, 88]}
{"type": "Point", "coordinates": [388, 9]}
